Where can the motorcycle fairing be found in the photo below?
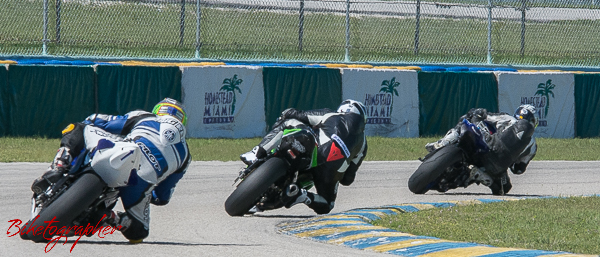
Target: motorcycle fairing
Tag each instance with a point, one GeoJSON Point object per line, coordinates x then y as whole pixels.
{"type": "Point", "coordinates": [472, 138]}
{"type": "Point", "coordinates": [115, 164]}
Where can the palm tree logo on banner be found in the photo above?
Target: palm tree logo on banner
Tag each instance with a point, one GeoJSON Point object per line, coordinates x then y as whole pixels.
{"type": "Point", "coordinates": [389, 86]}
{"type": "Point", "coordinates": [545, 90]}
{"type": "Point", "coordinates": [231, 85]}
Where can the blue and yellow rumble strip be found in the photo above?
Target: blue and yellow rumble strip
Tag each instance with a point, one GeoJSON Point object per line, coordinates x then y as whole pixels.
{"type": "Point", "coordinates": [353, 229]}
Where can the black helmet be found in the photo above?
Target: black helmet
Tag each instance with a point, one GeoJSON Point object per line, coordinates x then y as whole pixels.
{"type": "Point", "coordinates": [527, 112]}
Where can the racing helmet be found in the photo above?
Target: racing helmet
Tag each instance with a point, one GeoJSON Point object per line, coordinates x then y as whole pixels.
{"type": "Point", "coordinates": [527, 112]}
{"type": "Point", "coordinates": [351, 106]}
{"type": "Point", "coordinates": [172, 107]}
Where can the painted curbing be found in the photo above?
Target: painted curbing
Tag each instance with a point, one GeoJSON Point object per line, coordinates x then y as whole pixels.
{"type": "Point", "coordinates": [353, 229]}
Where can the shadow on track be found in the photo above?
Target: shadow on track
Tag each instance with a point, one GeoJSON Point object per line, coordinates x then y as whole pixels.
{"type": "Point", "coordinates": [489, 194]}
{"type": "Point", "coordinates": [152, 243]}
{"type": "Point", "coordinates": [283, 216]}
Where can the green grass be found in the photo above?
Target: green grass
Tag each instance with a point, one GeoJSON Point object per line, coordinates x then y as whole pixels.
{"type": "Point", "coordinates": [380, 149]}
{"type": "Point", "coordinates": [556, 224]}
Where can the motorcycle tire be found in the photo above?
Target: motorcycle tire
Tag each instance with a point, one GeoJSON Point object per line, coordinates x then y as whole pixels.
{"type": "Point", "coordinates": [82, 193]}
{"type": "Point", "coordinates": [433, 167]}
{"type": "Point", "coordinates": [249, 191]}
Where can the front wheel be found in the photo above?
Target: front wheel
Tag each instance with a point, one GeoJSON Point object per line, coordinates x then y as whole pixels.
{"type": "Point", "coordinates": [433, 167]}
{"type": "Point", "coordinates": [249, 191]}
{"type": "Point", "coordinates": [82, 193]}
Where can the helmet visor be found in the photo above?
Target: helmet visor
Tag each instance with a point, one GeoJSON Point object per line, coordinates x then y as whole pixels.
{"type": "Point", "coordinates": [172, 110]}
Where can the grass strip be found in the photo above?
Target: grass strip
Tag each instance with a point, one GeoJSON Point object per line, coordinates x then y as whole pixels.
{"type": "Point", "coordinates": [554, 224]}
{"type": "Point", "coordinates": [15, 149]}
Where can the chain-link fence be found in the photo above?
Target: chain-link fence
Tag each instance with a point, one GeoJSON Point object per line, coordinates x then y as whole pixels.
{"type": "Point", "coordinates": [516, 32]}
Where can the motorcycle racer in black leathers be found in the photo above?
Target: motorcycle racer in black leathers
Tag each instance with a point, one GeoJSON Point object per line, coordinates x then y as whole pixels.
{"type": "Point", "coordinates": [342, 146]}
{"type": "Point", "coordinates": [512, 144]}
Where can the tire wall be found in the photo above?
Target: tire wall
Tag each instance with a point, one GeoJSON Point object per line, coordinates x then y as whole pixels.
{"type": "Point", "coordinates": [41, 99]}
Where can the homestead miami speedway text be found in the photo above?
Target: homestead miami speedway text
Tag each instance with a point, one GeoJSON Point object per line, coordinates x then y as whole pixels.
{"type": "Point", "coordinates": [61, 232]}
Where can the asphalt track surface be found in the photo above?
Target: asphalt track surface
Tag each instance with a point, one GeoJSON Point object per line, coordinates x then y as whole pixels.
{"type": "Point", "coordinates": [195, 223]}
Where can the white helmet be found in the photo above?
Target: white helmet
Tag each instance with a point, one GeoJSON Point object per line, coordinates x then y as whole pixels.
{"type": "Point", "coordinates": [351, 106]}
{"type": "Point", "coordinates": [527, 112]}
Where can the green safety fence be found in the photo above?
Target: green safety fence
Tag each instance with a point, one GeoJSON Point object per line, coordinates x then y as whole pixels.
{"type": "Point", "coordinates": [6, 100]}
{"type": "Point", "coordinates": [445, 96]}
{"type": "Point", "coordinates": [45, 99]}
{"type": "Point", "coordinates": [300, 88]}
{"type": "Point", "coordinates": [126, 88]}
{"type": "Point", "coordinates": [587, 105]}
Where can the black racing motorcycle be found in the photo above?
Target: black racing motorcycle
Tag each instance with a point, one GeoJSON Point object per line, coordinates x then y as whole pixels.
{"type": "Point", "coordinates": [267, 183]}
{"type": "Point", "coordinates": [455, 165]}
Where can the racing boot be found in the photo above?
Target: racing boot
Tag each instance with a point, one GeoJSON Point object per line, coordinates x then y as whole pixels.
{"type": "Point", "coordinates": [478, 175]}
{"type": "Point", "coordinates": [121, 221]}
{"type": "Point", "coordinates": [294, 195]}
{"type": "Point", "coordinates": [252, 156]}
{"type": "Point", "coordinates": [59, 166]}
{"type": "Point", "coordinates": [102, 218]}
{"type": "Point", "coordinates": [502, 185]}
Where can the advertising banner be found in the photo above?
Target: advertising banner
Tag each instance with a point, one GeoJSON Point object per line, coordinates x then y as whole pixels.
{"type": "Point", "coordinates": [224, 102]}
{"type": "Point", "coordinates": [391, 98]}
{"type": "Point", "coordinates": [551, 93]}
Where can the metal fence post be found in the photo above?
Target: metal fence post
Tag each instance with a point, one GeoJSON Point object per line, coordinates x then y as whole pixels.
{"type": "Point", "coordinates": [417, 26]}
{"type": "Point", "coordinates": [523, 7]}
{"type": "Point", "coordinates": [347, 55]}
{"type": "Point", "coordinates": [58, 2]}
{"type": "Point", "coordinates": [45, 37]}
{"type": "Point", "coordinates": [198, 15]}
{"type": "Point", "coordinates": [301, 26]}
{"type": "Point", "coordinates": [489, 33]}
{"type": "Point", "coordinates": [182, 23]}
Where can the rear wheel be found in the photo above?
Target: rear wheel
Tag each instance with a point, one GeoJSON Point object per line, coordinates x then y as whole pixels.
{"type": "Point", "coordinates": [433, 167]}
{"type": "Point", "coordinates": [84, 191]}
{"type": "Point", "coordinates": [249, 191]}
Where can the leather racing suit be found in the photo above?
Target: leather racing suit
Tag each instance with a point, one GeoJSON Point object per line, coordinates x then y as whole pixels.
{"type": "Point", "coordinates": [512, 145]}
{"type": "Point", "coordinates": [341, 150]}
{"type": "Point", "coordinates": [164, 161]}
